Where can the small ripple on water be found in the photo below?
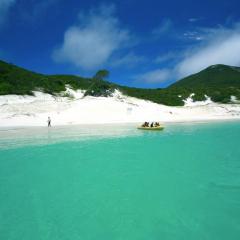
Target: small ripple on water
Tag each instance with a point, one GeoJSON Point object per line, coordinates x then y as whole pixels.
{"type": "Point", "coordinates": [225, 187]}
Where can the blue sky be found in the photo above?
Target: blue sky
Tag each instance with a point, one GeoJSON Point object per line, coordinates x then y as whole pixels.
{"type": "Point", "coordinates": [148, 43]}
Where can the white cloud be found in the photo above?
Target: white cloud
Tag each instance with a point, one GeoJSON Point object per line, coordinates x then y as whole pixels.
{"type": "Point", "coordinates": [91, 43]}
{"type": "Point", "coordinates": [4, 8]}
{"type": "Point", "coordinates": [194, 35]}
{"type": "Point", "coordinates": [129, 60]}
{"type": "Point", "coordinates": [193, 19]}
{"type": "Point", "coordinates": [166, 57]}
{"type": "Point", "coordinates": [219, 46]}
{"type": "Point", "coordinates": [155, 76]}
{"type": "Point", "coordinates": [222, 47]}
{"type": "Point", "coordinates": [164, 27]}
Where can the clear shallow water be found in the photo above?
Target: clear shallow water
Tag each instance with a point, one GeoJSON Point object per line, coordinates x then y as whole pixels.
{"type": "Point", "coordinates": [182, 183]}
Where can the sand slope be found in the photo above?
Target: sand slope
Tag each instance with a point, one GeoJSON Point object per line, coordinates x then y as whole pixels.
{"type": "Point", "coordinates": [34, 110]}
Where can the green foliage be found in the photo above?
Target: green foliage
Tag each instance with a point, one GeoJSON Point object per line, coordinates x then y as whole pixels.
{"type": "Point", "coordinates": [162, 96]}
{"type": "Point", "coordinates": [15, 80]}
{"type": "Point", "coordinates": [219, 82]}
{"type": "Point", "coordinates": [67, 95]}
{"type": "Point", "coordinates": [74, 81]}
{"type": "Point", "coordinates": [213, 76]}
{"type": "Point", "coordinates": [101, 75]}
{"type": "Point", "coordinates": [100, 88]}
{"type": "Point", "coordinates": [5, 88]}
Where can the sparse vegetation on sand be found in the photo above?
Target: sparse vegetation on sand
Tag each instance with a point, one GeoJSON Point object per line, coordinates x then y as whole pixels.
{"type": "Point", "coordinates": [219, 82]}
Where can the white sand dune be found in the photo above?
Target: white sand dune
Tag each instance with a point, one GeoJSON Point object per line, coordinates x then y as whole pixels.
{"type": "Point", "coordinates": [34, 110]}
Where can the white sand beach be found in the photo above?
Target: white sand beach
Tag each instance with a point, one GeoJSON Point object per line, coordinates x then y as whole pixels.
{"type": "Point", "coordinates": [34, 110]}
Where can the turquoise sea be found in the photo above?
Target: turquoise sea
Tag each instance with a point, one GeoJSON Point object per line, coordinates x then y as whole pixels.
{"type": "Point", "coordinates": [115, 182]}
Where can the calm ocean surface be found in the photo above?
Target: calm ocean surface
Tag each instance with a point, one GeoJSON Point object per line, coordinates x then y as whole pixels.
{"type": "Point", "coordinates": [116, 182]}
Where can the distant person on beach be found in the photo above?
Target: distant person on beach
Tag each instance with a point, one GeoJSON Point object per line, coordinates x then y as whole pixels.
{"type": "Point", "coordinates": [49, 122]}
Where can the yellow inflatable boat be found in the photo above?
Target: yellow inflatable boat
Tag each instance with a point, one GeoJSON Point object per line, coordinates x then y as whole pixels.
{"type": "Point", "coordinates": [158, 128]}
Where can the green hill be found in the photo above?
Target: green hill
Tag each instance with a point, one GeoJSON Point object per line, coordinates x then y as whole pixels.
{"type": "Point", "coordinates": [16, 80]}
{"type": "Point", "coordinates": [213, 76]}
{"type": "Point", "coordinates": [219, 82]}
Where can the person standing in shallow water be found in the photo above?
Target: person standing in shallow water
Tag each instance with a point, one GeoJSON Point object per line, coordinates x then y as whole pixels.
{"type": "Point", "coordinates": [49, 122]}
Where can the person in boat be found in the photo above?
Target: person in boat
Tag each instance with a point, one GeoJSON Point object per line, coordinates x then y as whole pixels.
{"type": "Point", "coordinates": [145, 124]}
{"type": "Point", "coordinates": [152, 124]}
{"type": "Point", "coordinates": [157, 124]}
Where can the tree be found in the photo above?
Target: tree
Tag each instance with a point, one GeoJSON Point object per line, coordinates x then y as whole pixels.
{"type": "Point", "coordinates": [101, 75]}
{"type": "Point", "coordinates": [99, 87]}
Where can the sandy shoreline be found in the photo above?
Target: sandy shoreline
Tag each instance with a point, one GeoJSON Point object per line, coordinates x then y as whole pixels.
{"type": "Point", "coordinates": [133, 124]}
{"type": "Point", "coordinates": [25, 111]}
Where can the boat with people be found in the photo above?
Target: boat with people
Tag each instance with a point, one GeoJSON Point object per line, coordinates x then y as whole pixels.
{"type": "Point", "coordinates": [153, 126]}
